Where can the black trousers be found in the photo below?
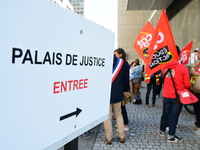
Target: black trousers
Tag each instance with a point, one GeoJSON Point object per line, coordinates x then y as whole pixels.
{"type": "Point", "coordinates": [159, 87]}
{"type": "Point", "coordinates": [197, 109]}
{"type": "Point", "coordinates": [124, 114]}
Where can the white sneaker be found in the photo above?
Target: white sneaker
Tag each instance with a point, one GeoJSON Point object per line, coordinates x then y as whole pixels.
{"type": "Point", "coordinates": [197, 132]}
{"type": "Point", "coordinates": [192, 127]}
{"type": "Point", "coordinates": [125, 129]}
{"type": "Point", "coordinates": [161, 133]}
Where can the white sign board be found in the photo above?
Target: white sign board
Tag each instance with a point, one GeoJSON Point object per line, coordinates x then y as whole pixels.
{"type": "Point", "coordinates": [53, 62]}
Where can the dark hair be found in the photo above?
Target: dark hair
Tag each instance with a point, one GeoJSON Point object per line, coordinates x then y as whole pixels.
{"type": "Point", "coordinates": [121, 51]}
{"type": "Point", "coordinates": [137, 61]}
{"type": "Point", "coordinates": [131, 63]}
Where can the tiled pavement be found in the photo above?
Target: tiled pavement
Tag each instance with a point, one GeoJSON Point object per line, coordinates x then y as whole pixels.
{"type": "Point", "coordinates": [143, 124]}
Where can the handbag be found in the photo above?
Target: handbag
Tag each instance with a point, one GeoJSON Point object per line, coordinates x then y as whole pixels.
{"type": "Point", "coordinates": [127, 98]}
{"type": "Point", "coordinates": [183, 96]}
{"type": "Point", "coordinates": [196, 86]}
{"type": "Point", "coordinates": [187, 97]}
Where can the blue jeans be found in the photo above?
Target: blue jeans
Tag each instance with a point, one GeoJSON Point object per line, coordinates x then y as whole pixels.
{"type": "Point", "coordinates": [149, 86]}
{"type": "Point", "coordinates": [171, 112]}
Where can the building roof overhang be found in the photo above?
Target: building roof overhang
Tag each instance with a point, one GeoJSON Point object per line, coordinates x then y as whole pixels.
{"type": "Point", "coordinates": [148, 4]}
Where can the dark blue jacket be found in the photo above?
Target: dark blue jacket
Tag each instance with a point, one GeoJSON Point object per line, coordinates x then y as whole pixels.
{"type": "Point", "coordinates": [120, 84]}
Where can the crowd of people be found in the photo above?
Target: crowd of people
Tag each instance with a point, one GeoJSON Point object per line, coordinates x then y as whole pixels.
{"type": "Point", "coordinates": [174, 76]}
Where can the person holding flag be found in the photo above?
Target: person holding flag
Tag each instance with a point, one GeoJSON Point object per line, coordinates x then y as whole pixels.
{"type": "Point", "coordinates": [171, 107]}
{"type": "Point", "coordinates": [162, 55]}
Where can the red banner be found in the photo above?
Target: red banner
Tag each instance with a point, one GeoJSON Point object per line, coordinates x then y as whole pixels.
{"type": "Point", "coordinates": [162, 48]}
{"type": "Point", "coordinates": [143, 40]}
{"type": "Point", "coordinates": [185, 54]}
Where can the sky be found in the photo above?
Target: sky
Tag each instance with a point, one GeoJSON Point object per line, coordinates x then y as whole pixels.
{"type": "Point", "coordinates": [103, 12]}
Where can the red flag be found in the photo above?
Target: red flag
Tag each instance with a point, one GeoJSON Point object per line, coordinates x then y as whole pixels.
{"type": "Point", "coordinates": [143, 40]}
{"type": "Point", "coordinates": [162, 49]}
{"type": "Point", "coordinates": [185, 54]}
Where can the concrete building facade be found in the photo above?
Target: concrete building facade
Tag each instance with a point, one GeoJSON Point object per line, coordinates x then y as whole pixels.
{"type": "Point", "coordinates": [184, 17]}
{"type": "Point", "coordinates": [64, 3]}
{"type": "Point", "coordinates": [78, 6]}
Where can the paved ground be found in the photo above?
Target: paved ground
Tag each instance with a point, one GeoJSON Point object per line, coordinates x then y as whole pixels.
{"type": "Point", "coordinates": [86, 143]}
{"type": "Point", "coordinates": [143, 124]}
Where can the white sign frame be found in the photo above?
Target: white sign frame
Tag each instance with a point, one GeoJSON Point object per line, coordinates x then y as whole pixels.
{"type": "Point", "coordinates": [42, 46]}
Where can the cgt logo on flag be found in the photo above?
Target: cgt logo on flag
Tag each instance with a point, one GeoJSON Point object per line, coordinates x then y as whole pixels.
{"type": "Point", "coordinates": [162, 49]}
{"type": "Point", "coordinates": [143, 41]}
{"type": "Point", "coordinates": [184, 57]}
{"type": "Point", "coordinates": [163, 37]}
{"type": "Point", "coordinates": [185, 54]}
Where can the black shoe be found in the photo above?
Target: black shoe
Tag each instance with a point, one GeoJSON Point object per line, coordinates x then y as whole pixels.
{"type": "Point", "coordinates": [87, 134]}
{"type": "Point", "coordinates": [174, 139]}
{"type": "Point", "coordinates": [138, 101]}
{"type": "Point", "coordinates": [122, 140]}
{"type": "Point", "coordinates": [109, 142]}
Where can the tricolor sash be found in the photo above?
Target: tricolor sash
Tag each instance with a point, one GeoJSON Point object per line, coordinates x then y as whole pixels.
{"type": "Point", "coordinates": [117, 68]}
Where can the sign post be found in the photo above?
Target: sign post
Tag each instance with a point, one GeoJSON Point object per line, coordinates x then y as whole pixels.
{"type": "Point", "coordinates": [56, 69]}
{"type": "Point", "coordinates": [73, 145]}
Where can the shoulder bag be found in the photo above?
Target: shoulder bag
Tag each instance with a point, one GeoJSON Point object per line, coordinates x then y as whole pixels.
{"type": "Point", "coordinates": [127, 98]}
{"type": "Point", "coordinates": [184, 96]}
